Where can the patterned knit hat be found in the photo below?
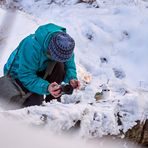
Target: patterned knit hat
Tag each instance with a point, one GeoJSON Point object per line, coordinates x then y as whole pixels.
{"type": "Point", "coordinates": [61, 47]}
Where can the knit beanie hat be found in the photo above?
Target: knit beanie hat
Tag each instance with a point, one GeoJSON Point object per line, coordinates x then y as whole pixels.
{"type": "Point", "coordinates": [61, 47]}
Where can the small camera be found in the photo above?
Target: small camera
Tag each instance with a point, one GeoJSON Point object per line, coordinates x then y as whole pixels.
{"type": "Point", "coordinates": [66, 89]}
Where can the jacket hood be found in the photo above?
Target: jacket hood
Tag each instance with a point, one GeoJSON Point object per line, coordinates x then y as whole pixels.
{"type": "Point", "coordinates": [44, 33]}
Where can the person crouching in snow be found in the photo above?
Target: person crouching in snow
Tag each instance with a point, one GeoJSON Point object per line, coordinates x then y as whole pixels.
{"type": "Point", "coordinates": [49, 43]}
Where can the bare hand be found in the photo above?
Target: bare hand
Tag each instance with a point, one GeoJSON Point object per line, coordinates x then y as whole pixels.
{"type": "Point", "coordinates": [54, 90]}
{"type": "Point", "coordinates": [75, 84]}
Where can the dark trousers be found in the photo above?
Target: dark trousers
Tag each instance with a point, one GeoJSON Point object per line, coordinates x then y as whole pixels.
{"type": "Point", "coordinates": [57, 75]}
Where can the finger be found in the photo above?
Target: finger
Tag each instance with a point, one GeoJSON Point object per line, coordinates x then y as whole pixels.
{"type": "Point", "coordinates": [73, 83]}
{"type": "Point", "coordinates": [53, 84]}
{"type": "Point", "coordinates": [54, 91]}
{"type": "Point", "coordinates": [57, 96]}
{"type": "Point", "coordinates": [74, 86]}
{"type": "Point", "coordinates": [56, 88]}
{"type": "Point", "coordinates": [77, 84]}
{"type": "Point", "coordinates": [57, 92]}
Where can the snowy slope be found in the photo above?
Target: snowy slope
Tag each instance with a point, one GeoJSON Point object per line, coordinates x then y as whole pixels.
{"type": "Point", "coordinates": [111, 46]}
{"type": "Point", "coordinates": [114, 31]}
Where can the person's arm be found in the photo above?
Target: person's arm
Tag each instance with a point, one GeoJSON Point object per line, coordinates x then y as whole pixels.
{"type": "Point", "coordinates": [70, 68]}
{"type": "Point", "coordinates": [28, 67]}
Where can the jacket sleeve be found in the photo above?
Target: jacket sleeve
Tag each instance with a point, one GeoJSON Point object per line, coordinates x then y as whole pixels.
{"type": "Point", "coordinates": [28, 67]}
{"type": "Point", "coordinates": [70, 68]}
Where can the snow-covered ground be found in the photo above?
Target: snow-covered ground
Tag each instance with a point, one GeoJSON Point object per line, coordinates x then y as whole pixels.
{"type": "Point", "coordinates": [111, 48]}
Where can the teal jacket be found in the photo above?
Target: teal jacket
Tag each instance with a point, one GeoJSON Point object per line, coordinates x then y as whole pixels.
{"type": "Point", "coordinates": [32, 58]}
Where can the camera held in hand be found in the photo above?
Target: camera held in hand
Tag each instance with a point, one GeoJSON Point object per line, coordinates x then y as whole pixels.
{"type": "Point", "coordinates": [66, 89]}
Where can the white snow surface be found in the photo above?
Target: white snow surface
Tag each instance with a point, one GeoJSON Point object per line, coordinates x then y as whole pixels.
{"type": "Point", "coordinates": [111, 47]}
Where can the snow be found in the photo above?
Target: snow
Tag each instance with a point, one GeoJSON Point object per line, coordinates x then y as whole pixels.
{"type": "Point", "coordinates": [111, 49]}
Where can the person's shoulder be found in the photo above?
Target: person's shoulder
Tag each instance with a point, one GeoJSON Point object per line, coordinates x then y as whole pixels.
{"type": "Point", "coordinates": [31, 42]}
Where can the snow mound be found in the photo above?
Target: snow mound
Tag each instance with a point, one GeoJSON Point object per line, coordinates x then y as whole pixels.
{"type": "Point", "coordinates": [89, 120]}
